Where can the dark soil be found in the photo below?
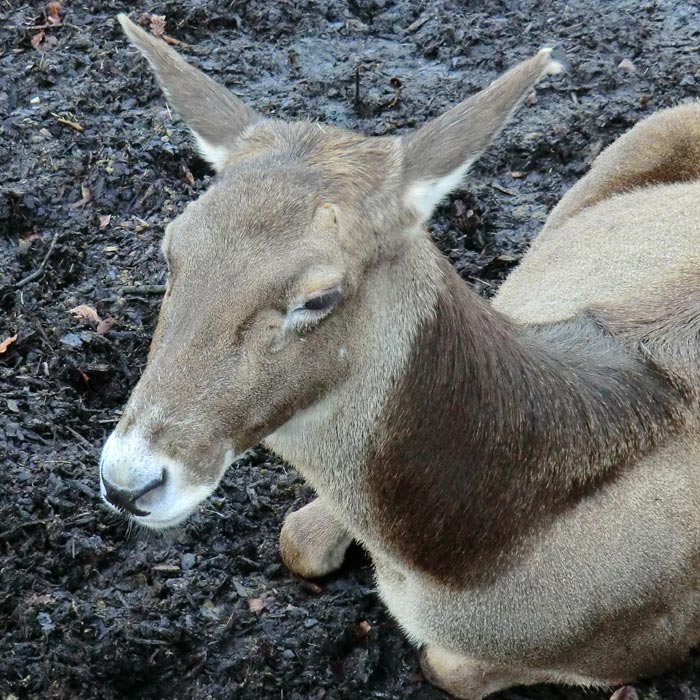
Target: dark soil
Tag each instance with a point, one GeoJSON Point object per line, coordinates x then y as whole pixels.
{"type": "Point", "coordinates": [89, 609]}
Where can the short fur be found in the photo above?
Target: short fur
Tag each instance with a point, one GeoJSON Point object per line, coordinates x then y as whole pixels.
{"type": "Point", "coordinates": [523, 474]}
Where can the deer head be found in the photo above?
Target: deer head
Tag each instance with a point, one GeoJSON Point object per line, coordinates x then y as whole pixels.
{"type": "Point", "coordinates": [273, 273]}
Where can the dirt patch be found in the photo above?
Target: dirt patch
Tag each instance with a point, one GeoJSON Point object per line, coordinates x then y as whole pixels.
{"type": "Point", "coordinates": [93, 166]}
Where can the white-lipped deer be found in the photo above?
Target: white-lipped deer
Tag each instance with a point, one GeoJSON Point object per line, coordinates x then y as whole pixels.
{"type": "Point", "coordinates": [525, 474]}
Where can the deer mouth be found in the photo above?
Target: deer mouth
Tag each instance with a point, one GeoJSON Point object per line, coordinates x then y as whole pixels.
{"type": "Point", "coordinates": [151, 488]}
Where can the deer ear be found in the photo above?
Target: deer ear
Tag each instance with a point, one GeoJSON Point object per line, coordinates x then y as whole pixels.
{"type": "Point", "coordinates": [438, 155]}
{"type": "Point", "coordinates": [215, 116]}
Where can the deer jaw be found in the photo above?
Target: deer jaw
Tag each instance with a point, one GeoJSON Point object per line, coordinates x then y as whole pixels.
{"type": "Point", "coordinates": [284, 280]}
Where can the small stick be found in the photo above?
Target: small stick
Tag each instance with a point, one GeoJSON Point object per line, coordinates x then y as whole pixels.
{"type": "Point", "coordinates": [144, 289]}
{"type": "Point", "coordinates": [39, 270]}
{"type": "Point", "coordinates": [68, 122]}
{"type": "Point", "coordinates": [79, 437]}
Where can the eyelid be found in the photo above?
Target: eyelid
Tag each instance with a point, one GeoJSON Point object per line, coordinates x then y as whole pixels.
{"type": "Point", "coordinates": [300, 317]}
{"type": "Point", "coordinates": [335, 292]}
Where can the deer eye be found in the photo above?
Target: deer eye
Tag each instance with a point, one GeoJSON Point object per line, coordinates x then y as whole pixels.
{"type": "Point", "coordinates": [316, 307]}
{"type": "Point", "coordinates": [324, 301]}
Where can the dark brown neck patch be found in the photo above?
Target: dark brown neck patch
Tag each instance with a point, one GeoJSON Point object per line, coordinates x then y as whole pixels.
{"type": "Point", "coordinates": [492, 432]}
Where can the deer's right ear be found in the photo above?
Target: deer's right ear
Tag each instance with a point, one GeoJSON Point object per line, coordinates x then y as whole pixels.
{"type": "Point", "coordinates": [215, 116]}
{"type": "Point", "coordinates": [438, 155]}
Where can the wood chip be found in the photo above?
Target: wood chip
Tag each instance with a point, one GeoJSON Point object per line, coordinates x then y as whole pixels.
{"type": "Point", "coordinates": [627, 65]}
{"type": "Point", "coordinates": [168, 569]}
{"type": "Point", "coordinates": [86, 196]}
{"type": "Point", "coordinates": [505, 190]}
{"type": "Point", "coordinates": [256, 604]}
{"type": "Point", "coordinates": [417, 24]}
{"type": "Point", "coordinates": [7, 342]}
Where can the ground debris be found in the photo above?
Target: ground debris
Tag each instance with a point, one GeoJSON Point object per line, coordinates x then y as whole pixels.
{"type": "Point", "coordinates": [7, 342]}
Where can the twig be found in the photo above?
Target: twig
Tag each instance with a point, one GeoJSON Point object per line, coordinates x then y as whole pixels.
{"type": "Point", "coordinates": [40, 270]}
{"type": "Point", "coordinates": [68, 122]}
{"type": "Point", "coordinates": [79, 437]}
{"type": "Point", "coordinates": [144, 289]}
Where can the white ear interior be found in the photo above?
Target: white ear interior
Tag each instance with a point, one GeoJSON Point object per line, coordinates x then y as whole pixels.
{"type": "Point", "coordinates": [216, 155]}
{"type": "Point", "coordinates": [425, 195]}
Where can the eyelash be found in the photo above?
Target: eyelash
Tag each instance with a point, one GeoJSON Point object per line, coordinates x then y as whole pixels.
{"type": "Point", "coordinates": [322, 302]}
{"type": "Point", "coordinates": [313, 310]}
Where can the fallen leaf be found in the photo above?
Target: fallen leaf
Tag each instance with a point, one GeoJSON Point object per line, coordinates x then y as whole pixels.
{"type": "Point", "coordinates": [86, 313]}
{"type": "Point", "coordinates": [54, 14]}
{"type": "Point", "coordinates": [106, 325]}
{"type": "Point", "coordinates": [256, 604]}
{"type": "Point", "coordinates": [7, 342]}
{"type": "Point", "coordinates": [37, 39]}
{"type": "Point", "coordinates": [157, 25]}
{"type": "Point", "coordinates": [104, 221]}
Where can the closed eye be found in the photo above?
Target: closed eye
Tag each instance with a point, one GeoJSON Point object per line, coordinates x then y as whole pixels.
{"type": "Point", "coordinates": [314, 309]}
{"type": "Point", "coordinates": [324, 301]}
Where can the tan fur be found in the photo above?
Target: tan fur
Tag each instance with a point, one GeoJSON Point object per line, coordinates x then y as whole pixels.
{"type": "Point", "coordinates": [523, 474]}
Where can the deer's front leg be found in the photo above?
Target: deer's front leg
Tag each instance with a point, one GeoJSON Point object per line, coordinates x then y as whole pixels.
{"type": "Point", "coordinates": [312, 542]}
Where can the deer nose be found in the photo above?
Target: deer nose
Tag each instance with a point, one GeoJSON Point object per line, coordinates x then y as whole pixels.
{"type": "Point", "coordinates": [126, 498]}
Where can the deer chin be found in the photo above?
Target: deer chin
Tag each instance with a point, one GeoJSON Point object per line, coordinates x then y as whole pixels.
{"type": "Point", "coordinates": [152, 489]}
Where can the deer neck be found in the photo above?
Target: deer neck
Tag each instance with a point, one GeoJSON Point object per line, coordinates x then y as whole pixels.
{"type": "Point", "coordinates": [472, 433]}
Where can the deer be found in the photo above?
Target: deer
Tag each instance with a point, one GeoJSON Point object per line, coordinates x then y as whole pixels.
{"type": "Point", "coordinates": [524, 472]}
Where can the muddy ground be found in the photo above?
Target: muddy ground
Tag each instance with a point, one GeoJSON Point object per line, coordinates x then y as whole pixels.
{"type": "Point", "coordinates": [92, 166]}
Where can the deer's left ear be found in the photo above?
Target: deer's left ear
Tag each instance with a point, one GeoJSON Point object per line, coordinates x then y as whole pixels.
{"type": "Point", "coordinates": [438, 155]}
{"type": "Point", "coordinates": [215, 115]}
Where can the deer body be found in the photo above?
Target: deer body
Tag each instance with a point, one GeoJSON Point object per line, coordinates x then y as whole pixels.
{"type": "Point", "coordinates": [523, 473]}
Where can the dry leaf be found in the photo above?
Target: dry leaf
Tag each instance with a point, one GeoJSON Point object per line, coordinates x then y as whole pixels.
{"type": "Point", "coordinates": [37, 39]}
{"type": "Point", "coordinates": [106, 325]}
{"type": "Point", "coordinates": [86, 313]}
{"type": "Point", "coordinates": [54, 14]}
{"type": "Point", "coordinates": [157, 26]}
{"type": "Point", "coordinates": [104, 221]}
{"type": "Point", "coordinates": [256, 604]}
{"type": "Point", "coordinates": [7, 342]}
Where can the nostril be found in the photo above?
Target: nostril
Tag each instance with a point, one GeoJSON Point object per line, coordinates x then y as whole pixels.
{"type": "Point", "coordinates": [126, 498]}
